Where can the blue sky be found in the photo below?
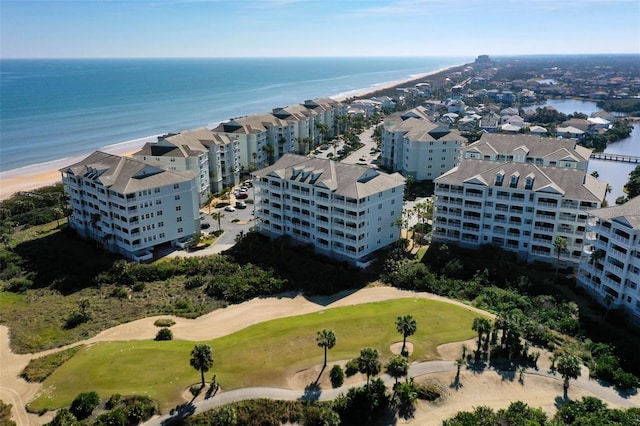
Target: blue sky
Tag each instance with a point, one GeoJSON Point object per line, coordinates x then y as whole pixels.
{"type": "Point", "coordinates": [252, 28]}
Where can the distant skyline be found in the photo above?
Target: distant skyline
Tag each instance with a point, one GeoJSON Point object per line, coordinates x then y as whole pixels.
{"type": "Point", "coordinates": [300, 28]}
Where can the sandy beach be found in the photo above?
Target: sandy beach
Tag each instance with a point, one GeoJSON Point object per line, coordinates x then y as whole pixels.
{"type": "Point", "coordinates": [38, 175]}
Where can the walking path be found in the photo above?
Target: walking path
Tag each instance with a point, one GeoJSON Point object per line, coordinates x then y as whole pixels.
{"type": "Point", "coordinates": [477, 386]}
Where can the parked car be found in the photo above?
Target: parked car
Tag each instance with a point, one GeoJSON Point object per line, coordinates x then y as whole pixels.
{"type": "Point", "coordinates": [205, 225]}
{"type": "Point", "coordinates": [230, 209]}
{"type": "Point", "coordinates": [241, 205]}
{"type": "Point", "coordinates": [242, 196]}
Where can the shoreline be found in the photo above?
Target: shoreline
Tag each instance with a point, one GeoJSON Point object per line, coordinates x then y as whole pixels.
{"type": "Point", "coordinates": [34, 176]}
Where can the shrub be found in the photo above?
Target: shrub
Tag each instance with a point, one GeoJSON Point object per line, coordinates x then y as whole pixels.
{"type": "Point", "coordinates": [112, 401]}
{"type": "Point", "coordinates": [624, 380]}
{"type": "Point", "coordinates": [120, 293]}
{"type": "Point", "coordinates": [224, 416]}
{"type": "Point", "coordinates": [40, 368]}
{"type": "Point", "coordinates": [139, 408]}
{"type": "Point", "coordinates": [64, 417]}
{"type": "Point", "coordinates": [18, 285]}
{"type": "Point", "coordinates": [84, 404]}
{"type": "Point", "coordinates": [164, 322]}
{"type": "Point", "coordinates": [75, 319]}
{"type": "Point", "coordinates": [115, 417]}
{"type": "Point", "coordinates": [337, 376]}
{"type": "Point", "coordinates": [352, 367]}
{"type": "Point", "coordinates": [194, 282]}
{"type": "Point", "coordinates": [139, 286]}
{"type": "Point", "coordinates": [164, 334]}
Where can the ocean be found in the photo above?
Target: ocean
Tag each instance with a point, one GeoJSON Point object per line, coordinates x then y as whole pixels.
{"type": "Point", "coordinates": [53, 109]}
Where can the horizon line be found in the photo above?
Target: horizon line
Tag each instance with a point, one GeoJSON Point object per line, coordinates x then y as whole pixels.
{"type": "Point", "coordinates": [314, 57]}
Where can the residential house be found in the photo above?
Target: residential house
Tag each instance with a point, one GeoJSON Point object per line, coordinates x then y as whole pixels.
{"type": "Point", "coordinates": [344, 211]}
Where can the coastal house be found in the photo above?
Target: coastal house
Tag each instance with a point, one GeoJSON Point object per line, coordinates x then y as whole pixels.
{"type": "Point", "coordinates": [344, 211]}
{"type": "Point", "coordinates": [131, 207]}
{"type": "Point", "coordinates": [414, 145]}
{"type": "Point", "coordinates": [518, 192]}
{"type": "Point", "coordinates": [570, 132]}
{"type": "Point", "coordinates": [610, 265]}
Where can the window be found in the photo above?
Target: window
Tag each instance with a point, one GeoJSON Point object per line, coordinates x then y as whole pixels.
{"type": "Point", "coordinates": [159, 212]}
{"type": "Point", "coordinates": [180, 230]}
{"type": "Point", "coordinates": [158, 202]}
{"type": "Point", "coordinates": [156, 190]}
{"type": "Point", "coordinates": [179, 219]}
{"type": "Point", "coordinates": [178, 208]}
{"type": "Point", "coordinates": [177, 197]}
{"type": "Point", "coordinates": [176, 185]}
{"type": "Point", "coordinates": [160, 224]}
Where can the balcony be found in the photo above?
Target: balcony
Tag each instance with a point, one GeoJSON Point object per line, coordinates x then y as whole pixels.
{"type": "Point", "coordinates": [591, 236]}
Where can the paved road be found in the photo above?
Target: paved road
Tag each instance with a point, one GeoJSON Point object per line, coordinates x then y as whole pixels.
{"type": "Point", "coordinates": [608, 394]}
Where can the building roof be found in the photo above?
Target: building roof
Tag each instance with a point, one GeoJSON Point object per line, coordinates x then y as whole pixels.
{"type": "Point", "coordinates": [250, 124]}
{"type": "Point", "coordinates": [627, 214]}
{"type": "Point", "coordinates": [125, 175]}
{"type": "Point", "coordinates": [185, 144]}
{"type": "Point", "coordinates": [571, 183]}
{"type": "Point", "coordinates": [348, 180]}
{"type": "Point", "coordinates": [536, 146]}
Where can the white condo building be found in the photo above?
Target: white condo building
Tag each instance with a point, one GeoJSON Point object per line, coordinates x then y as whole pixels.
{"type": "Point", "coordinates": [345, 211]}
{"type": "Point", "coordinates": [414, 145]}
{"type": "Point", "coordinates": [213, 158]}
{"type": "Point", "coordinates": [610, 265]}
{"type": "Point", "coordinates": [519, 193]}
{"type": "Point", "coordinates": [129, 206]}
{"type": "Point", "coordinates": [262, 138]}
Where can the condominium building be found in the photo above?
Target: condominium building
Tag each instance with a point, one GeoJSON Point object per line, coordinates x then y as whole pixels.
{"type": "Point", "coordinates": [413, 145]}
{"type": "Point", "coordinates": [262, 138]}
{"type": "Point", "coordinates": [212, 157]}
{"type": "Point", "coordinates": [303, 119]}
{"type": "Point", "coordinates": [520, 193]}
{"type": "Point", "coordinates": [129, 206]}
{"type": "Point", "coordinates": [327, 112]}
{"type": "Point", "coordinates": [610, 266]}
{"type": "Point", "coordinates": [345, 211]}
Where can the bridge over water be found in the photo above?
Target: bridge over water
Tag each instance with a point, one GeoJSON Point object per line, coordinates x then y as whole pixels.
{"type": "Point", "coordinates": [615, 157]}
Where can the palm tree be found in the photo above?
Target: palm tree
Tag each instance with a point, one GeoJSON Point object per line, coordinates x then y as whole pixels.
{"type": "Point", "coordinates": [569, 368]}
{"type": "Point", "coordinates": [459, 363]}
{"type": "Point", "coordinates": [58, 213]}
{"type": "Point", "coordinates": [326, 339]}
{"type": "Point", "coordinates": [481, 325]}
{"type": "Point", "coordinates": [217, 216]}
{"type": "Point", "coordinates": [406, 326]}
{"type": "Point", "coordinates": [369, 362]}
{"type": "Point", "coordinates": [560, 244]}
{"type": "Point", "coordinates": [397, 367]}
{"type": "Point", "coordinates": [201, 359]}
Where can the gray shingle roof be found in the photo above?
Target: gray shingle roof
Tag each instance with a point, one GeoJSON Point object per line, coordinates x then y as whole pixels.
{"type": "Point", "coordinates": [348, 180]}
{"type": "Point", "coordinates": [572, 183]}
{"type": "Point", "coordinates": [538, 146]}
{"type": "Point", "coordinates": [125, 175]}
{"type": "Point", "coordinates": [627, 214]}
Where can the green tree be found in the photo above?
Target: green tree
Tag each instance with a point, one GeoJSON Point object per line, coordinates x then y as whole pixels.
{"type": "Point", "coordinates": [84, 404]}
{"type": "Point", "coordinates": [202, 359]}
{"type": "Point", "coordinates": [632, 187]}
{"type": "Point", "coordinates": [217, 216]}
{"type": "Point", "coordinates": [569, 368]}
{"type": "Point", "coordinates": [369, 362]}
{"type": "Point", "coordinates": [64, 417]}
{"type": "Point", "coordinates": [406, 326]}
{"type": "Point", "coordinates": [397, 367]}
{"type": "Point", "coordinates": [164, 334]}
{"type": "Point", "coordinates": [481, 325]}
{"type": "Point", "coordinates": [560, 245]}
{"type": "Point", "coordinates": [326, 339]}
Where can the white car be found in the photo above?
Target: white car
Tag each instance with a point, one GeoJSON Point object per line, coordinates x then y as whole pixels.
{"type": "Point", "coordinates": [230, 209]}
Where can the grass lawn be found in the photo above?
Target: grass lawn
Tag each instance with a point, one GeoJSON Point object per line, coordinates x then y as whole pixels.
{"type": "Point", "coordinates": [261, 355]}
